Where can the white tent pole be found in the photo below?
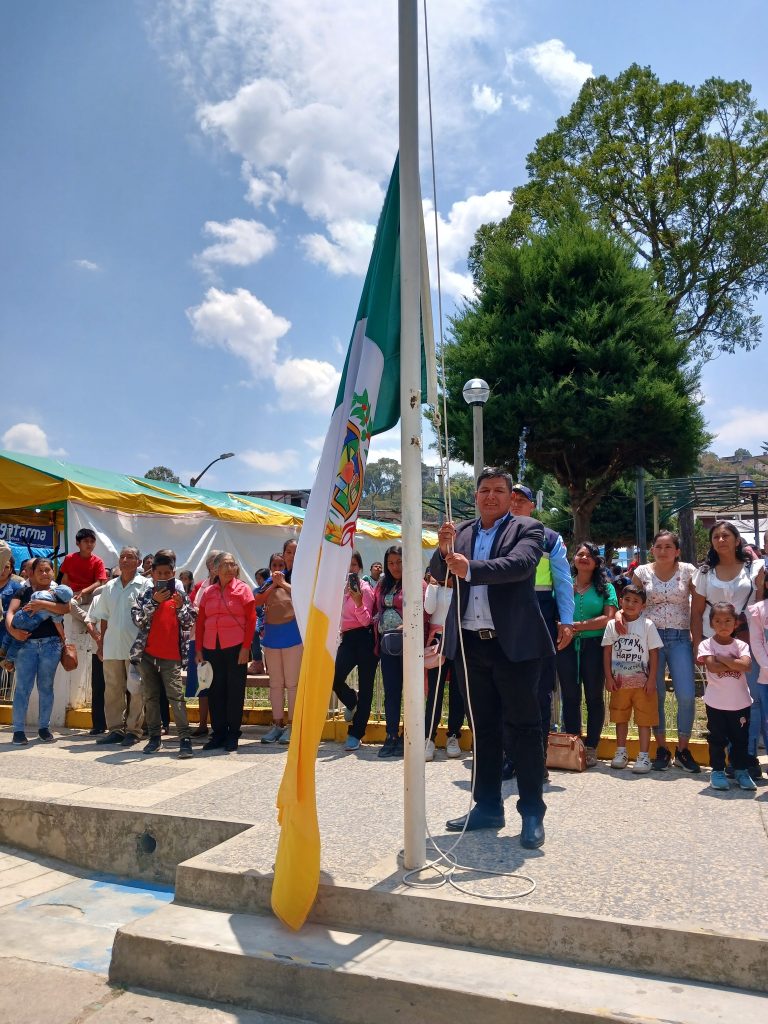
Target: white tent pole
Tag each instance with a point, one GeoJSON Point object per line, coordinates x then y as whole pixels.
{"type": "Point", "coordinates": [410, 407]}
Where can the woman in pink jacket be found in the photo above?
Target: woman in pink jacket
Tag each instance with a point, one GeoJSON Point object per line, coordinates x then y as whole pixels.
{"type": "Point", "coordinates": [226, 622]}
{"type": "Point", "coordinates": [356, 650]}
{"type": "Point", "coordinates": [757, 619]}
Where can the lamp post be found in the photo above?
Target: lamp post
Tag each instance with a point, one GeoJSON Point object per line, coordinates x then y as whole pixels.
{"type": "Point", "coordinates": [476, 393]}
{"type": "Point", "coordinates": [196, 479]}
{"type": "Point", "coordinates": [749, 489]}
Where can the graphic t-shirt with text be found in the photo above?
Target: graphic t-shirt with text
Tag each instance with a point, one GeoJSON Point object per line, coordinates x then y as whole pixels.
{"type": "Point", "coordinates": [630, 654]}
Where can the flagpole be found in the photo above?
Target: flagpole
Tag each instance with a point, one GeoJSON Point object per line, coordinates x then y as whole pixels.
{"type": "Point", "coordinates": [410, 405]}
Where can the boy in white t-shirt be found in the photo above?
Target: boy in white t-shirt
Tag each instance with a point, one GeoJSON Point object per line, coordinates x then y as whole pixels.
{"type": "Point", "coordinates": [630, 662]}
{"type": "Point", "coordinates": [727, 697]}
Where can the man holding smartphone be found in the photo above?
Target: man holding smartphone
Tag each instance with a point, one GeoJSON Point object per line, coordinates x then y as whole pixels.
{"type": "Point", "coordinates": [164, 616]}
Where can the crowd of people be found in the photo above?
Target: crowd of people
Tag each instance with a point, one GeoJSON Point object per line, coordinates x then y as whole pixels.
{"type": "Point", "coordinates": [507, 617]}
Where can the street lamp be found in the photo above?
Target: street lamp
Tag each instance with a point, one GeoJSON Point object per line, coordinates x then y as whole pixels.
{"type": "Point", "coordinates": [476, 392]}
{"type": "Point", "coordinates": [749, 489]}
{"type": "Point", "coordinates": [196, 479]}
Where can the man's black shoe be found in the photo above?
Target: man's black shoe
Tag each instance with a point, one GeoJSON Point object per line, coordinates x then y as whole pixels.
{"type": "Point", "coordinates": [478, 818]}
{"type": "Point", "coordinates": [46, 736]}
{"type": "Point", "coordinates": [507, 770]}
{"type": "Point", "coordinates": [96, 732]}
{"type": "Point", "coordinates": [532, 834]}
{"type": "Point", "coordinates": [153, 746]}
{"type": "Point", "coordinates": [111, 737]}
{"type": "Point", "coordinates": [230, 746]}
{"type": "Point", "coordinates": [213, 744]}
{"type": "Point", "coordinates": [129, 740]}
{"type": "Point", "coordinates": [185, 749]}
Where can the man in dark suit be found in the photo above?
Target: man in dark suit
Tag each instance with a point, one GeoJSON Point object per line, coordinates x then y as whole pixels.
{"type": "Point", "coordinates": [495, 618]}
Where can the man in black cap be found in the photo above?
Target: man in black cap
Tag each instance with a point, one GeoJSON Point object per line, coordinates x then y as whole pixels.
{"type": "Point", "coordinates": [554, 590]}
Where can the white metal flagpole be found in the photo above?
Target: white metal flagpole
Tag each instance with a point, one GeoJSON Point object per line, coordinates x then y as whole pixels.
{"type": "Point", "coordinates": [415, 851]}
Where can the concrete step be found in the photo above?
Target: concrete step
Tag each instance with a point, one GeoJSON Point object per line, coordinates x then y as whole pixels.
{"type": "Point", "coordinates": [342, 977]}
{"type": "Point", "coordinates": [654, 946]}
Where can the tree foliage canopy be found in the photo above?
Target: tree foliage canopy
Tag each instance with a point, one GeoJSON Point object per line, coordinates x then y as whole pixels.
{"type": "Point", "coordinates": [162, 473]}
{"type": "Point", "coordinates": [681, 174]}
{"type": "Point", "coordinates": [578, 345]}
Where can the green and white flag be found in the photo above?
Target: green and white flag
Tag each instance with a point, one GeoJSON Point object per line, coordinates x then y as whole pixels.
{"type": "Point", "coordinates": [368, 402]}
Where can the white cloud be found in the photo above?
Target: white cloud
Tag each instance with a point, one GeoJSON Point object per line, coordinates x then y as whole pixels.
{"type": "Point", "coordinates": [555, 64]}
{"type": "Point", "coordinates": [240, 323]}
{"type": "Point", "coordinates": [521, 103]}
{"type": "Point", "coordinates": [243, 325]}
{"type": "Point", "coordinates": [485, 99]}
{"type": "Point", "coordinates": [737, 427]}
{"type": "Point", "coordinates": [308, 384]}
{"type": "Point", "coordinates": [457, 233]}
{"type": "Point", "coordinates": [29, 439]}
{"type": "Point", "coordinates": [270, 462]}
{"type": "Point", "coordinates": [240, 242]}
{"type": "Point", "coordinates": [306, 95]}
{"type": "Point", "coordinates": [347, 251]}
{"type": "Point", "coordinates": [86, 265]}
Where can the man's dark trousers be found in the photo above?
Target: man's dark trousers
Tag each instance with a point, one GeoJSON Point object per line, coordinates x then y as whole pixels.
{"type": "Point", "coordinates": [547, 680]}
{"type": "Point", "coordinates": [504, 700]}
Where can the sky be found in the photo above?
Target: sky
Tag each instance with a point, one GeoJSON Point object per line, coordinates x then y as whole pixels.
{"type": "Point", "coordinates": [189, 191]}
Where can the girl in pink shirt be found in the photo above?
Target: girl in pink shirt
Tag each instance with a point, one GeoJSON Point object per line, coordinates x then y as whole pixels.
{"type": "Point", "coordinates": [356, 650]}
{"type": "Point", "coordinates": [727, 697]}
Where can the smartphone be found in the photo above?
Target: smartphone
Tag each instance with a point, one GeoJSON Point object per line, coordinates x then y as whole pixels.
{"type": "Point", "coordinates": [354, 581]}
{"type": "Point", "coordinates": [166, 585]}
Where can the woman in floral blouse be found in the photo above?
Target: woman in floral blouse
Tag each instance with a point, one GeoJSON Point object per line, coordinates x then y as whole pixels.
{"type": "Point", "coordinates": [668, 586]}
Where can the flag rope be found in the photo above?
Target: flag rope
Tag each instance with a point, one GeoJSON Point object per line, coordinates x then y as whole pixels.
{"type": "Point", "coordinates": [446, 863]}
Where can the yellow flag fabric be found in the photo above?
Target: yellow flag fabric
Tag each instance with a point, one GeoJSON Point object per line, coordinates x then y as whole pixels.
{"type": "Point", "coordinates": [368, 402]}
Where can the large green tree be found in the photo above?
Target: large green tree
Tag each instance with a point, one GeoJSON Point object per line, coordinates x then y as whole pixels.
{"type": "Point", "coordinates": [680, 173]}
{"type": "Point", "coordinates": [577, 344]}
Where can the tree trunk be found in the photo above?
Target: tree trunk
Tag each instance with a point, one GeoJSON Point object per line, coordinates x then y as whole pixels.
{"type": "Point", "coordinates": [687, 536]}
{"type": "Point", "coordinates": [582, 520]}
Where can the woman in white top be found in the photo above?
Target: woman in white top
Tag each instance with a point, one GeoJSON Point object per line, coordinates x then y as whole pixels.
{"type": "Point", "coordinates": [437, 601]}
{"type": "Point", "coordinates": [731, 575]}
{"type": "Point", "coordinates": [668, 587]}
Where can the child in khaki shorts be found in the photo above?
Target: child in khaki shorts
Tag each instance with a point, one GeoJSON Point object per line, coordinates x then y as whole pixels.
{"type": "Point", "coordinates": [630, 660]}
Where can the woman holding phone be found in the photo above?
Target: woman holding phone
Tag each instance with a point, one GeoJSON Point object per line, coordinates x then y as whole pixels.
{"type": "Point", "coordinates": [356, 650]}
{"type": "Point", "coordinates": [281, 644]}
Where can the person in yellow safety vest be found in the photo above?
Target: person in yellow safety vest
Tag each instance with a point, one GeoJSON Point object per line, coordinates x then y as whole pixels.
{"type": "Point", "coordinates": [554, 589]}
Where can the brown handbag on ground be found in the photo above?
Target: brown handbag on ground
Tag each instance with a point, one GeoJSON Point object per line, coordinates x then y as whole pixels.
{"type": "Point", "coordinates": [565, 752]}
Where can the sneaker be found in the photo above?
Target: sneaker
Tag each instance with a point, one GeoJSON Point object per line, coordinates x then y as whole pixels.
{"type": "Point", "coordinates": [19, 739]}
{"type": "Point", "coordinates": [46, 736]}
{"type": "Point", "coordinates": [185, 749]}
{"type": "Point", "coordinates": [621, 758]}
{"type": "Point", "coordinates": [388, 747]}
{"type": "Point", "coordinates": [684, 759]}
{"type": "Point", "coordinates": [274, 734]}
{"type": "Point", "coordinates": [744, 779]}
{"type": "Point", "coordinates": [213, 744]}
{"type": "Point", "coordinates": [429, 750]}
{"type": "Point", "coordinates": [349, 714]}
{"type": "Point", "coordinates": [755, 769]}
{"type": "Point", "coordinates": [452, 748]}
{"type": "Point", "coordinates": [129, 740]}
{"type": "Point", "coordinates": [352, 743]}
{"type": "Point", "coordinates": [719, 780]}
{"type": "Point", "coordinates": [153, 746]}
{"type": "Point", "coordinates": [591, 756]}
{"type": "Point", "coordinates": [285, 735]}
{"type": "Point", "coordinates": [642, 765]}
{"type": "Point", "coordinates": [662, 761]}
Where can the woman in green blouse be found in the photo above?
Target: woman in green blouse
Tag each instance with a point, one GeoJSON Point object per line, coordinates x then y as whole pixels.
{"type": "Point", "coordinates": [581, 663]}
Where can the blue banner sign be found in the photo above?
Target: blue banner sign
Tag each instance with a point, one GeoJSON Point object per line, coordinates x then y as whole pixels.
{"type": "Point", "coordinates": [33, 536]}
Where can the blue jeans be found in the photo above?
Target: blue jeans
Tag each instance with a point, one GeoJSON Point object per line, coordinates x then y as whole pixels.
{"type": "Point", "coordinates": [35, 658]}
{"type": "Point", "coordinates": [677, 652]}
{"type": "Point", "coordinates": [758, 720]}
{"type": "Point", "coordinates": [392, 678]}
